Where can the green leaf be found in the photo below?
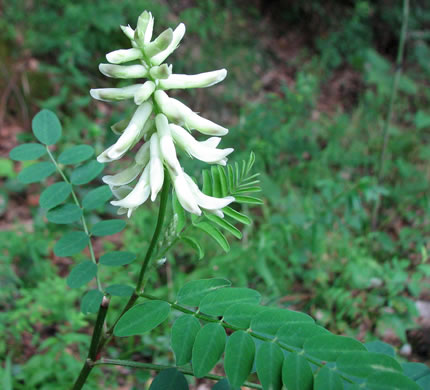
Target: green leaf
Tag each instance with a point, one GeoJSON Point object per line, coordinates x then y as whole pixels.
{"type": "Point", "coordinates": [108, 227]}
{"type": "Point", "coordinates": [217, 302]}
{"type": "Point", "coordinates": [391, 381]}
{"type": "Point", "coordinates": [179, 213]}
{"type": "Point", "coordinates": [363, 364]}
{"type": "Point", "coordinates": [415, 371]}
{"type": "Point", "coordinates": [381, 347]}
{"type": "Point", "coordinates": [208, 348]}
{"type": "Point", "coordinates": [96, 198]}
{"type": "Point", "coordinates": [242, 218]}
{"type": "Point", "coordinates": [87, 172]}
{"type": "Point", "coordinates": [193, 243]}
{"type": "Point", "coordinates": [297, 373]}
{"type": "Point", "coordinates": [223, 384]}
{"type": "Point", "coordinates": [329, 347]}
{"type": "Point", "coordinates": [239, 357]}
{"type": "Point", "coordinates": [91, 301]}
{"type": "Point", "coordinates": [222, 181]}
{"type": "Point", "coordinates": [142, 318]}
{"type": "Point", "coordinates": [296, 333]}
{"type": "Point", "coordinates": [67, 213]}
{"type": "Point", "coordinates": [120, 290]}
{"type": "Point", "coordinates": [54, 195]}
{"type": "Point", "coordinates": [268, 362]}
{"type": "Point", "coordinates": [71, 244]}
{"type": "Point", "coordinates": [215, 234]}
{"type": "Point", "coordinates": [25, 152]}
{"type": "Point", "coordinates": [269, 321]}
{"type": "Point", "coordinates": [76, 154]}
{"type": "Point", "coordinates": [46, 127]}
{"type": "Point", "coordinates": [117, 258]}
{"type": "Point", "coordinates": [82, 274]}
{"type": "Point", "coordinates": [216, 184]}
{"type": "Point", "coordinates": [241, 314]}
{"type": "Point", "coordinates": [193, 292]}
{"type": "Point", "coordinates": [169, 379]}
{"type": "Point", "coordinates": [207, 182]}
{"type": "Point", "coordinates": [327, 379]}
{"type": "Point", "coordinates": [225, 225]}
{"type": "Point", "coordinates": [247, 200]}
{"type": "Point", "coordinates": [184, 332]}
{"type": "Point", "coordinates": [7, 374]}
{"type": "Point", "coordinates": [36, 172]}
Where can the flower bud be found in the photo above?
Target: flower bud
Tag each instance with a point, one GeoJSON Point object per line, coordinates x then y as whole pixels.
{"type": "Point", "coordinates": [159, 44]}
{"type": "Point", "coordinates": [179, 112]}
{"type": "Point", "coordinates": [145, 25]}
{"type": "Point", "coordinates": [144, 92]}
{"type": "Point", "coordinates": [201, 80]}
{"type": "Point", "coordinates": [166, 144]}
{"type": "Point", "coordinates": [124, 177]}
{"type": "Point", "coordinates": [123, 71]}
{"type": "Point", "coordinates": [156, 171]}
{"type": "Point", "coordinates": [115, 94]}
{"type": "Point", "coordinates": [199, 150]}
{"type": "Point", "coordinates": [178, 34]}
{"type": "Point", "coordinates": [161, 72]}
{"type": "Point", "coordinates": [124, 55]}
{"type": "Point", "coordinates": [128, 31]}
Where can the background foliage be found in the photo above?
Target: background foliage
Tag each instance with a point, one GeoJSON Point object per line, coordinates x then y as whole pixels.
{"type": "Point", "coordinates": [307, 91]}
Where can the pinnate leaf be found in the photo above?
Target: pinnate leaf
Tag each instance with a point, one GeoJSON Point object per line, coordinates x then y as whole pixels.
{"type": "Point", "coordinates": [184, 332]}
{"type": "Point", "coordinates": [108, 227]}
{"type": "Point", "coordinates": [215, 234]}
{"type": "Point", "coordinates": [71, 244]}
{"type": "Point", "coordinates": [193, 243]}
{"type": "Point", "coordinates": [193, 292]}
{"type": "Point", "coordinates": [241, 314]}
{"type": "Point", "coordinates": [36, 172]}
{"type": "Point", "coordinates": [296, 333]}
{"type": "Point", "coordinates": [239, 357]}
{"type": "Point", "coordinates": [117, 258]}
{"type": "Point", "coordinates": [120, 290]}
{"type": "Point", "coordinates": [208, 348]}
{"type": "Point", "coordinates": [169, 379]}
{"type": "Point", "coordinates": [91, 301]}
{"type": "Point", "coordinates": [54, 195]}
{"type": "Point", "coordinates": [87, 172]}
{"type": "Point", "coordinates": [326, 379]}
{"type": "Point", "coordinates": [25, 152]}
{"type": "Point", "coordinates": [46, 127]}
{"type": "Point", "coordinates": [217, 302]}
{"type": "Point", "coordinates": [76, 154]}
{"type": "Point", "coordinates": [297, 373]}
{"type": "Point", "coordinates": [269, 361]}
{"type": "Point", "coordinates": [391, 381]}
{"type": "Point", "coordinates": [81, 274]}
{"type": "Point", "coordinates": [66, 213]}
{"type": "Point", "coordinates": [142, 318]}
{"type": "Point", "coordinates": [96, 198]}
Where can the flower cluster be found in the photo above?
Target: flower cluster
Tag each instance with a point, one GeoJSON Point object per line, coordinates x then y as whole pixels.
{"type": "Point", "coordinates": [162, 122]}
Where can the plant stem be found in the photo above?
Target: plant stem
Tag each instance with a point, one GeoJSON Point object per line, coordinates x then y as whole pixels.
{"type": "Point", "coordinates": [394, 85]}
{"type": "Point", "coordinates": [159, 367]}
{"type": "Point", "coordinates": [83, 220]}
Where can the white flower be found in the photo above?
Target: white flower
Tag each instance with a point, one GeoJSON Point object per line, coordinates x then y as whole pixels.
{"type": "Point", "coordinates": [158, 120]}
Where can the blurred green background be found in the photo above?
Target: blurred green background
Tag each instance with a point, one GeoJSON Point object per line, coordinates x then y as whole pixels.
{"type": "Point", "coordinates": [307, 91]}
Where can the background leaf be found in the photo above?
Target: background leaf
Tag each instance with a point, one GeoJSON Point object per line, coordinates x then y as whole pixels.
{"type": "Point", "coordinates": [169, 379]}
{"type": "Point", "coordinates": [71, 244]}
{"type": "Point", "coordinates": [91, 301]}
{"type": "Point", "coordinates": [82, 274]}
{"type": "Point", "coordinates": [25, 152]}
{"type": "Point", "coordinates": [55, 194]}
{"type": "Point", "coordinates": [108, 227]}
{"type": "Point", "coordinates": [117, 258]}
{"type": "Point", "coordinates": [96, 198]}
{"type": "Point", "coordinates": [76, 154]}
{"type": "Point", "coordinates": [120, 290]}
{"type": "Point", "coordinates": [142, 318]}
{"type": "Point", "coordinates": [36, 172]}
{"type": "Point", "coordinates": [87, 172]}
{"type": "Point", "coordinates": [193, 292]}
{"type": "Point", "coordinates": [215, 234]}
{"type": "Point", "coordinates": [64, 214]}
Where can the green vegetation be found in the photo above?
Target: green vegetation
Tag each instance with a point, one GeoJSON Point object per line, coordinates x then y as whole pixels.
{"type": "Point", "coordinates": [309, 99]}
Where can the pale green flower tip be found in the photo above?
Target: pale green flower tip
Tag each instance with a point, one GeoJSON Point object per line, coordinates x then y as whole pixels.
{"type": "Point", "coordinates": [145, 25]}
{"type": "Point", "coordinates": [115, 94]}
{"type": "Point", "coordinates": [124, 55]}
{"type": "Point", "coordinates": [123, 71]}
{"type": "Point", "coordinates": [201, 80]}
{"type": "Point", "coordinates": [159, 44]}
{"type": "Point", "coordinates": [128, 31]}
{"type": "Point", "coordinates": [178, 34]}
{"type": "Point", "coordinates": [144, 92]}
{"type": "Point", "coordinates": [161, 72]}
{"type": "Point", "coordinates": [119, 127]}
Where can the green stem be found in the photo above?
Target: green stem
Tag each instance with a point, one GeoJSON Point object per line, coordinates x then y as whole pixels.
{"type": "Point", "coordinates": [394, 86]}
{"type": "Point", "coordinates": [206, 318]}
{"type": "Point", "coordinates": [83, 220]}
{"type": "Point", "coordinates": [160, 367]}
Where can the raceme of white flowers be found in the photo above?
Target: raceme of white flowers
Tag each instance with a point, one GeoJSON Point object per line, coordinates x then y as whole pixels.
{"type": "Point", "coordinates": [162, 122]}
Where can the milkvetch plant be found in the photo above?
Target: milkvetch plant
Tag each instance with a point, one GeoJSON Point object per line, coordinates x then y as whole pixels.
{"type": "Point", "coordinates": [260, 347]}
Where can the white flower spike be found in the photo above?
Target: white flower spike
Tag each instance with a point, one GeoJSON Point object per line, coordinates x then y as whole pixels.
{"type": "Point", "coordinates": [158, 120]}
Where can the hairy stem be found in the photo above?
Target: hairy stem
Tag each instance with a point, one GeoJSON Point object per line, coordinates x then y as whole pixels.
{"type": "Point", "coordinates": [160, 367]}
{"type": "Point", "coordinates": [386, 129]}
